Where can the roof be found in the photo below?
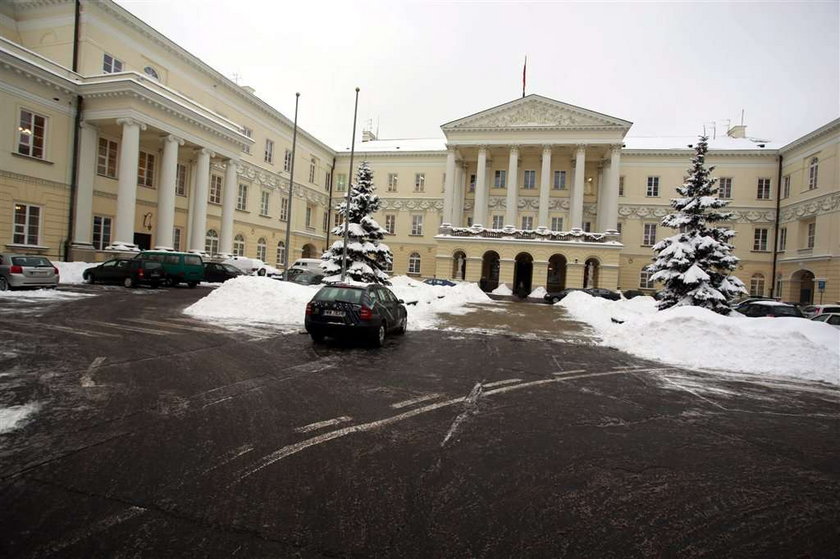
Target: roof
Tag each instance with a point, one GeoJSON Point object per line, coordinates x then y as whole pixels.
{"type": "Point", "coordinates": [399, 145]}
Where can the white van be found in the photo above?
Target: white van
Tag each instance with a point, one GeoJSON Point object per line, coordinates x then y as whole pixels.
{"type": "Point", "coordinates": [311, 264]}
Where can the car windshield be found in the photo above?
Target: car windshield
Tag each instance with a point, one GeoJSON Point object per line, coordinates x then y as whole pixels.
{"type": "Point", "coordinates": [231, 269]}
{"type": "Point", "coordinates": [340, 294]}
{"type": "Point", "coordinates": [30, 261]}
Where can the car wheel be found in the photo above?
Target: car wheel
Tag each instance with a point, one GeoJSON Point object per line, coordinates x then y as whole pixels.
{"type": "Point", "coordinates": [403, 326]}
{"type": "Point", "coordinates": [4, 284]}
{"type": "Point", "coordinates": [89, 278]}
{"type": "Point", "coordinates": [378, 339]}
{"type": "Point", "coordinates": [128, 282]}
{"type": "Point", "coordinates": [555, 300]}
{"type": "Point", "coordinates": [192, 284]}
{"type": "Point", "coordinates": [261, 272]}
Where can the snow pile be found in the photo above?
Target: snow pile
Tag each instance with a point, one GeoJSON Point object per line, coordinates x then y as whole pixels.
{"type": "Point", "coordinates": [257, 299]}
{"type": "Point", "coordinates": [71, 272]}
{"type": "Point", "coordinates": [503, 289]}
{"type": "Point", "coordinates": [43, 295]}
{"type": "Point", "coordinates": [13, 417]}
{"type": "Point", "coordinates": [538, 293]}
{"type": "Point", "coordinates": [699, 338]}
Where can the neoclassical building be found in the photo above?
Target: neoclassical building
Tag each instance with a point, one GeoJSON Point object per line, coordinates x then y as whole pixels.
{"type": "Point", "coordinates": [120, 139]}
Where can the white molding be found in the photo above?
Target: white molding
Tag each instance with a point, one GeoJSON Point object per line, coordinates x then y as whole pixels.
{"type": "Point", "coordinates": [48, 104]}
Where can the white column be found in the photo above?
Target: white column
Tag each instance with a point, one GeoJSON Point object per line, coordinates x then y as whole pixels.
{"type": "Point", "coordinates": [545, 188]}
{"type": "Point", "coordinates": [202, 181]}
{"type": "Point", "coordinates": [512, 200]}
{"type": "Point", "coordinates": [576, 202]}
{"type": "Point", "coordinates": [127, 184]}
{"type": "Point", "coordinates": [228, 206]}
{"type": "Point", "coordinates": [190, 205]}
{"type": "Point", "coordinates": [166, 193]}
{"type": "Point", "coordinates": [604, 171]}
{"type": "Point", "coordinates": [449, 188]}
{"type": "Point", "coordinates": [480, 202]}
{"type": "Point", "coordinates": [83, 216]}
{"type": "Point", "coordinates": [458, 201]}
{"type": "Point", "coordinates": [610, 205]}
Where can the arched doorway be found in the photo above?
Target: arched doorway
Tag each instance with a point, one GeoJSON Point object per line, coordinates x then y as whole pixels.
{"type": "Point", "coordinates": [489, 271]}
{"type": "Point", "coordinates": [459, 265]}
{"type": "Point", "coordinates": [523, 274]}
{"type": "Point", "coordinates": [556, 280]}
{"type": "Point", "coordinates": [590, 273]}
{"type": "Point", "coordinates": [802, 285]}
{"type": "Point", "coordinates": [308, 251]}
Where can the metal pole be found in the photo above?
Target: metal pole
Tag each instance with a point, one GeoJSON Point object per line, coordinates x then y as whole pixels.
{"type": "Point", "coordinates": [291, 189]}
{"type": "Point", "coordinates": [349, 187]}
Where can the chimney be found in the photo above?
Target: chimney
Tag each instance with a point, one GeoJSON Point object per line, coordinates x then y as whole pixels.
{"type": "Point", "coordinates": [368, 135]}
{"type": "Point", "coordinates": [737, 131]}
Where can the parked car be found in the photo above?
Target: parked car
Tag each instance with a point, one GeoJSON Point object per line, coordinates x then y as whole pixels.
{"type": "Point", "coordinates": [815, 310]}
{"type": "Point", "coordinates": [631, 293]}
{"type": "Point", "coordinates": [129, 272]}
{"type": "Point", "coordinates": [830, 318]}
{"type": "Point", "coordinates": [555, 296]}
{"type": "Point", "coordinates": [748, 300]}
{"type": "Point", "coordinates": [178, 267]}
{"type": "Point", "coordinates": [367, 313]}
{"type": "Point", "coordinates": [439, 281]}
{"type": "Point", "coordinates": [306, 277]}
{"type": "Point", "coordinates": [603, 293]}
{"type": "Point", "coordinates": [311, 264]}
{"type": "Point", "coordinates": [24, 270]}
{"type": "Point", "coordinates": [218, 273]}
{"type": "Point", "coordinates": [755, 309]}
{"type": "Point", "coordinates": [253, 267]}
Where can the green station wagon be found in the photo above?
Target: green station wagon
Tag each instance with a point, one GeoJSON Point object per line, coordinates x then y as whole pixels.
{"type": "Point", "coordinates": [178, 267]}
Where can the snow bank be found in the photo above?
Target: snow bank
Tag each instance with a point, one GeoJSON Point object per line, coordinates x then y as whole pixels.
{"type": "Point", "coordinates": [71, 272]}
{"type": "Point", "coordinates": [538, 293]}
{"type": "Point", "coordinates": [698, 338]}
{"type": "Point", "coordinates": [13, 417]}
{"type": "Point", "coordinates": [503, 289]}
{"type": "Point", "coordinates": [258, 299]}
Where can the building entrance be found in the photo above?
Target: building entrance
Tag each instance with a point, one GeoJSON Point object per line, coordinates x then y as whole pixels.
{"type": "Point", "coordinates": [523, 274]}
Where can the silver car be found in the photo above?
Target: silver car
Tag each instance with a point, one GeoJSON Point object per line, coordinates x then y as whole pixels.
{"type": "Point", "coordinates": [25, 270]}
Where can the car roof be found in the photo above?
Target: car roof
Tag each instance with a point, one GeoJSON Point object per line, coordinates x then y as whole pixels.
{"type": "Point", "coordinates": [770, 303]}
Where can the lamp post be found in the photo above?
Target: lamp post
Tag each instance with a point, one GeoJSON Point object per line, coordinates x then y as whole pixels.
{"type": "Point", "coordinates": [349, 188]}
{"type": "Point", "coordinates": [291, 190]}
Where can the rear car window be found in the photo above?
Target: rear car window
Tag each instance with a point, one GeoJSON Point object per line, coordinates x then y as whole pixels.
{"type": "Point", "coordinates": [831, 309]}
{"type": "Point", "coordinates": [193, 260]}
{"type": "Point", "coordinates": [786, 311]}
{"type": "Point", "coordinates": [151, 265]}
{"type": "Point", "coordinates": [346, 294]}
{"type": "Point", "coordinates": [30, 261]}
{"type": "Point", "coordinates": [172, 259]}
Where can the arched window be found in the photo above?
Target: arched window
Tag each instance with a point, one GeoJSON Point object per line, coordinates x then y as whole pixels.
{"type": "Point", "coordinates": [211, 242]}
{"type": "Point", "coordinates": [414, 263]}
{"type": "Point", "coordinates": [644, 279]}
{"type": "Point", "coordinates": [151, 72]}
{"type": "Point", "coordinates": [239, 245]}
{"type": "Point", "coordinates": [813, 171]}
{"type": "Point", "coordinates": [757, 285]}
{"type": "Point", "coordinates": [261, 249]}
{"type": "Point", "coordinates": [281, 253]}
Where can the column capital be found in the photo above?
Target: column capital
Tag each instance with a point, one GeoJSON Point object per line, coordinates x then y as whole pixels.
{"type": "Point", "coordinates": [483, 149]}
{"type": "Point", "coordinates": [451, 148]}
{"type": "Point", "coordinates": [172, 138]}
{"type": "Point", "coordinates": [514, 148]}
{"type": "Point", "coordinates": [580, 148]}
{"type": "Point", "coordinates": [616, 148]}
{"type": "Point", "coordinates": [547, 147]}
{"type": "Point", "coordinates": [85, 125]}
{"type": "Point", "coordinates": [234, 163]}
{"type": "Point", "coordinates": [204, 151]}
{"type": "Point", "coordinates": [130, 122]}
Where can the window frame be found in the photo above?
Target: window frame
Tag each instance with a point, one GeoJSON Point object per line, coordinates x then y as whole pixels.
{"type": "Point", "coordinates": [811, 234]}
{"type": "Point", "coordinates": [239, 245]}
{"type": "Point", "coordinates": [393, 182]}
{"type": "Point", "coordinates": [414, 263]}
{"type": "Point", "coordinates": [416, 225]}
{"type": "Point", "coordinates": [644, 279]}
{"type": "Point", "coordinates": [284, 208]}
{"type": "Point", "coordinates": [648, 234]}
{"type": "Point", "coordinates": [33, 141]}
{"type": "Point", "coordinates": [529, 184]}
{"type": "Point", "coordinates": [763, 189]}
{"type": "Point", "coordinates": [419, 182]}
{"type": "Point", "coordinates": [500, 178]}
{"type": "Point", "coordinates": [813, 173]}
{"type": "Point", "coordinates": [262, 248]}
{"type": "Point", "coordinates": [214, 193]}
{"type": "Point", "coordinates": [101, 242]}
{"type": "Point", "coordinates": [211, 242]}
{"type": "Point", "coordinates": [268, 156]}
{"type": "Point", "coordinates": [391, 224]}
{"type": "Point", "coordinates": [242, 197]}
{"type": "Point", "coordinates": [652, 189]}
{"type": "Point", "coordinates": [181, 185]}
{"type": "Point", "coordinates": [555, 220]}
{"type": "Point", "coordinates": [108, 160]}
{"type": "Point", "coordinates": [530, 222]}
{"type": "Point", "coordinates": [725, 183]}
{"type": "Point", "coordinates": [146, 169]}
{"type": "Point", "coordinates": [760, 235]}
{"type": "Point", "coordinates": [558, 182]}
{"type": "Point", "coordinates": [782, 239]}
{"type": "Point", "coordinates": [111, 67]}
{"type": "Point", "coordinates": [265, 201]}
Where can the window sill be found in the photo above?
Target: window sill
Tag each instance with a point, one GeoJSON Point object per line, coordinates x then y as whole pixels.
{"type": "Point", "coordinates": [28, 247]}
{"type": "Point", "coordinates": [210, 202]}
{"type": "Point", "coordinates": [146, 186]}
{"type": "Point", "coordinates": [415, 234]}
{"type": "Point", "coordinates": [243, 210]}
{"type": "Point", "coordinates": [264, 215]}
{"type": "Point", "coordinates": [764, 251]}
{"type": "Point", "coordinates": [805, 250]}
{"type": "Point", "coordinates": [114, 178]}
{"type": "Point", "coordinates": [31, 158]}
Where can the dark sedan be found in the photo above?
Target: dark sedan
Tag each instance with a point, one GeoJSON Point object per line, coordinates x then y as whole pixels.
{"type": "Point", "coordinates": [218, 273]}
{"type": "Point", "coordinates": [365, 312]}
{"type": "Point", "coordinates": [128, 271]}
{"type": "Point", "coordinates": [756, 309]}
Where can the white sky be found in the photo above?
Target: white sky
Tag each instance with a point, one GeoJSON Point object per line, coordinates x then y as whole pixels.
{"type": "Point", "coordinates": [667, 67]}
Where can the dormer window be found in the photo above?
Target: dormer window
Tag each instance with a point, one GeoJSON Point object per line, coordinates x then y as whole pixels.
{"type": "Point", "coordinates": [151, 72]}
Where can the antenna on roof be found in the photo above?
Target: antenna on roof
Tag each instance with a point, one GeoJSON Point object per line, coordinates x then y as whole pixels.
{"type": "Point", "coordinates": [377, 126]}
{"type": "Point", "coordinates": [742, 117]}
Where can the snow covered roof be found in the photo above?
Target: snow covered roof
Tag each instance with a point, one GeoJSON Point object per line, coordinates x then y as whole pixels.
{"type": "Point", "coordinates": [400, 144]}
{"type": "Point", "coordinates": [724, 143]}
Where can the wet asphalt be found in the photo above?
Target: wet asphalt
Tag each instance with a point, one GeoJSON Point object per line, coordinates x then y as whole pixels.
{"type": "Point", "coordinates": [161, 436]}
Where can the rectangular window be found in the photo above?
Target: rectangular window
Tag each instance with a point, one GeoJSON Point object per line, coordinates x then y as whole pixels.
{"type": "Point", "coordinates": [106, 161]}
{"type": "Point", "coordinates": [32, 134]}
{"type": "Point", "coordinates": [27, 225]}
{"type": "Point", "coordinates": [782, 239]}
{"type": "Point", "coordinates": [101, 232]}
{"type": "Point", "coordinates": [530, 181]}
{"type": "Point", "coordinates": [327, 178]}
{"type": "Point", "coordinates": [725, 188]}
{"type": "Point", "coordinates": [269, 151]}
{"type": "Point", "coordinates": [341, 183]}
{"type": "Point", "coordinates": [313, 165]}
{"type": "Point", "coordinates": [181, 180]}
{"type": "Point", "coordinates": [146, 170]}
{"type": "Point", "coordinates": [111, 65]}
{"type": "Point", "coordinates": [649, 235]}
{"type": "Point", "coordinates": [287, 160]}
{"type": "Point", "coordinates": [500, 179]}
{"type": "Point", "coordinates": [556, 223]}
{"type": "Point", "coordinates": [248, 133]}
{"type": "Point", "coordinates": [337, 219]}
{"type": "Point", "coordinates": [284, 208]}
{"type": "Point", "coordinates": [498, 221]}
{"type": "Point", "coordinates": [813, 172]}
{"type": "Point", "coordinates": [176, 238]}
{"type": "Point", "coordinates": [621, 185]}
{"type": "Point", "coordinates": [309, 216]}
{"type": "Point", "coordinates": [652, 187]}
{"type": "Point", "coordinates": [559, 180]}
{"type": "Point", "coordinates": [527, 222]}
{"type": "Point", "coordinates": [760, 239]}
{"type": "Point", "coordinates": [391, 223]}
{"type": "Point", "coordinates": [763, 192]}
{"type": "Point", "coordinates": [414, 263]}
{"type": "Point", "coordinates": [393, 180]}
{"type": "Point", "coordinates": [812, 233]}
{"type": "Point", "coordinates": [215, 189]}
{"type": "Point", "coordinates": [786, 186]}
{"type": "Point", "coordinates": [469, 221]}
{"type": "Point", "coordinates": [587, 226]}
{"type": "Point", "coordinates": [419, 182]}
{"type": "Point", "coordinates": [242, 197]}
{"type": "Point", "coordinates": [618, 228]}
{"type": "Point", "coordinates": [472, 183]}
{"type": "Point", "coordinates": [265, 196]}
{"type": "Point", "coordinates": [325, 223]}
{"type": "Point", "coordinates": [416, 224]}
{"type": "Point", "coordinates": [644, 279]}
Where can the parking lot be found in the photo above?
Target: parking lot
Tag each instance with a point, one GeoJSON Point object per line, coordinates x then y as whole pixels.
{"type": "Point", "coordinates": [159, 435]}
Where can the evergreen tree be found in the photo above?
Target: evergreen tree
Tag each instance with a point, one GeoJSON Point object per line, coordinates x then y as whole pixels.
{"type": "Point", "coordinates": [367, 257]}
{"type": "Point", "coordinates": [695, 264]}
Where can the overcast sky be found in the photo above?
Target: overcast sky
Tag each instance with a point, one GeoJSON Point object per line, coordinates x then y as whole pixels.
{"type": "Point", "coordinates": [667, 67]}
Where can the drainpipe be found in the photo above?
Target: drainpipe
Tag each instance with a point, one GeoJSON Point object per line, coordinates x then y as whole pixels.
{"type": "Point", "coordinates": [776, 228]}
{"type": "Point", "coordinates": [74, 178]}
{"type": "Point", "coordinates": [329, 204]}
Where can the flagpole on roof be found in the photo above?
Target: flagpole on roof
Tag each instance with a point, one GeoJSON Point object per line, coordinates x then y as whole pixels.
{"type": "Point", "coordinates": [291, 190]}
{"type": "Point", "coordinates": [349, 188]}
{"type": "Point", "coordinates": [524, 70]}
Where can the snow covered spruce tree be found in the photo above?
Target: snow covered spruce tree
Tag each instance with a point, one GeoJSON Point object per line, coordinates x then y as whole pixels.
{"type": "Point", "coordinates": [367, 257]}
{"type": "Point", "coordinates": [695, 264]}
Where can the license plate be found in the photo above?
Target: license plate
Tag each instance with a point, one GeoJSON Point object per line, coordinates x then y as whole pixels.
{"type": "Point", "coordinates": [329, 312]}
{"type": "Point", "coordinates": [40, 273]}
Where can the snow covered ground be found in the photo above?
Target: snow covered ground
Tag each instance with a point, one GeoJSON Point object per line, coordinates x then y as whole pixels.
{"type": "Point", "coordinates": [71, 272]}
{"type": "Point", "coordinates": [13, 417]}
{"type": "Point", "coordinates": [255, 299]}
{"type": "Point", "coordinates": [701, 339]}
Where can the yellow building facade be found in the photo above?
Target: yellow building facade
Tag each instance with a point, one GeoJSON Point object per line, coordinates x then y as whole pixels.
{"type": "Point", "coordinates": [119, 139]}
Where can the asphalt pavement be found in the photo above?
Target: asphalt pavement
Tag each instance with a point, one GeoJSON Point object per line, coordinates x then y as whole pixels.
{"type": "Point", "coordinates": [157, 435]}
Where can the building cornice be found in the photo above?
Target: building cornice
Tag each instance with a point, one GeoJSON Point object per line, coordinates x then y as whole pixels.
{"type": "Point", "coordinates": [395, 153]}
{"type": "Point", "coordinates": [35, 67]}
{"type": "Point", "coordinates": [833, 126]}
{"type": "Point", "coordinates": [683, 153]}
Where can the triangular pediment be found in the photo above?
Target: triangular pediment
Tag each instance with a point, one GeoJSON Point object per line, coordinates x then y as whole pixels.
{"type": "Point", "coordinates": [535, 111]}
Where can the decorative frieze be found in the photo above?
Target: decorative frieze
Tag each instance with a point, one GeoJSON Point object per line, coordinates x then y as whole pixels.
{"type": "Point", "coordinates": [739, 215]}
{"type": "Point", "coordinates": [810, 208]}
{"type": "Point", "coordinates": [271, 181]}
{"type": "Point", "coordinates": [409, 204]}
